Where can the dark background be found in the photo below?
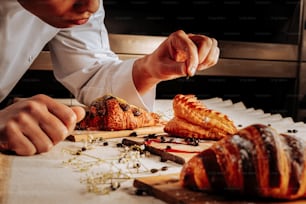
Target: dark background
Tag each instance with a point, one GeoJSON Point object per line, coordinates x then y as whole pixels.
{"type": "Point", "coordinates": [261, 21]}
{"type": "Point", "coordinates": [248, 21]}
{"type": "Point", "coordinates": [270, 21]}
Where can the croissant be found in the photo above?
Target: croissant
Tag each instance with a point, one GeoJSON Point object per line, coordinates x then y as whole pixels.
{"type": "Point", "coordinates": [256, 161]}
{"type": "Point", "coordinates": [193, 119]}
{"type": "Point", "coordinates": [113, 113]}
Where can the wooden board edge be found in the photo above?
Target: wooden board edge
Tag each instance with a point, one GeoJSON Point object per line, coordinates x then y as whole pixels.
{"type": "Point", "coordinates": [146, 185]}
{"type": "Point", "coordinates": [167, 188]}
{"type": "Point", "coordinates": [84, 135]}
{"type": "Point", "coordinates": [5, 175]}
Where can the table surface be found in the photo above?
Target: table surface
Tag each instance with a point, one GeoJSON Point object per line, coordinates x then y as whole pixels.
{"type": "Point", "coordinates": [60, 176]}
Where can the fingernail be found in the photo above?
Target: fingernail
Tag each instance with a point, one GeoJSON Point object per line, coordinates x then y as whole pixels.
{"type": "Point", "coordinates": [193, 70]}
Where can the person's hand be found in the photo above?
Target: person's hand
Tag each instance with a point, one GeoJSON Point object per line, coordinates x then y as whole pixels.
{"type": "Point", "coordinates": [179, 55]}
{"type": "Point", "coordinates": [36, 124]}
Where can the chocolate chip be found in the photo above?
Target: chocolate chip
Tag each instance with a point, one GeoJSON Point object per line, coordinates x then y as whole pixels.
{"type": "Point", "coordinates": [136, 112]}
{"type": "Point", "coordinates": [139, 192]}
{"type": "Point", "coordinates": [154, 170]}
{"type": "Point", "coordinates": [124, 106]}
{"type": "Point", "coordinates": [133, 134]}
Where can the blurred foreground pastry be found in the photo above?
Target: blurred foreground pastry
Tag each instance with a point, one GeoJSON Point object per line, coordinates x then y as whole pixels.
{"type": "Point", "coordinates": [193, 119]}
{"type": "Point", "coordinates": [114, 113]}
{"type": "Point", "coordinates": [257, 161]}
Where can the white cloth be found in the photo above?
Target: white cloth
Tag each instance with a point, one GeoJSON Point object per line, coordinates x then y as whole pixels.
{"type": "Point", "coordinates": [83, 60]}
{"type": "Point", "coordinates": [45, 179]}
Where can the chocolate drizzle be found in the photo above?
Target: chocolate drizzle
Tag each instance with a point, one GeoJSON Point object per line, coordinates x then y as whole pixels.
{"type": "Point", "coordinates": [213, 170]}
{"type": "Point", "coordinates": [294, 149]}
{"type": "Point", "coordinates": [257, 161]}
{"type": "Point", "coordinates": [272, 154]}
{"type": "Point", "coordinates": [247, 162]}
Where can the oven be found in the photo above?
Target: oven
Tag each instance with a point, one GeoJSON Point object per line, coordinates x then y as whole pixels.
{"type": "Point", "coordinates": [261, 41]}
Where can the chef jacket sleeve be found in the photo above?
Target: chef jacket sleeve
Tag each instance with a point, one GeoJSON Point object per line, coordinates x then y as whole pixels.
{"type": "Point", "coordinates": [85, 64]}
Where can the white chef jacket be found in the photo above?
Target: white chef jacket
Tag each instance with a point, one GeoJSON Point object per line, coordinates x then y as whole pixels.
{"type": "Point", "coordinates": [81, 56]}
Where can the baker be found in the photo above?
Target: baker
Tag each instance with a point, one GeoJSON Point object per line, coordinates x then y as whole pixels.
{"type": "Point", "coordinates": [83, 63]}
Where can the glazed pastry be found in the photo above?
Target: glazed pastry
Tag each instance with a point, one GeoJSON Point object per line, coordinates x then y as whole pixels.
{"type": "Point", "coordinates": [113, 113]}
{"type": "Point", "coordinates": [256, 161]}
{"type": "Point", "coordinates": [193, 119]}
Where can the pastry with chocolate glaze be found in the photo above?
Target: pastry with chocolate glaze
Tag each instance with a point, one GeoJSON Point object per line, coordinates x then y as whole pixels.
{"type": "Point", "coordinates": [193, 119]}
{"type": "Point", "coordinates": [113, 113]}
{"type": "Point", "coordinates": [254, 162]}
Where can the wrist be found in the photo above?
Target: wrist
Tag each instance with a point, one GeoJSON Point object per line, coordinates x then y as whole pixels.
{"type": "Point", "coordinates": [143, 79]}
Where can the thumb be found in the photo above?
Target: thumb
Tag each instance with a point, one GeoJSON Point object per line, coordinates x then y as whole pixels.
{"type": "Point", "coordinates": [79, 112]}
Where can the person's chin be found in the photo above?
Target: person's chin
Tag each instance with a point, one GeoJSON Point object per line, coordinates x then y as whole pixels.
{"type": "Point", "coordinates": [68, 24]}
{"type": "Point", "coordinates": [80, 21]}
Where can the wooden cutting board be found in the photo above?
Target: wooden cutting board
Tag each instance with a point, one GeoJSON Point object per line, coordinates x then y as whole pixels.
{"type": "Point", "coordinates": [172, 148]}
{"type": "Point", "coordinates": [84, 135]}
{"type": "Point", "coordinates": [168, 189]}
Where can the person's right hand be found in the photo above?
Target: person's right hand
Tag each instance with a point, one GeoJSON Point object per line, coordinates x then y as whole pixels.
{"type": "Point", "coordinates": [181, 54]}
{"type": "Point", "coordinates": [36, 124]}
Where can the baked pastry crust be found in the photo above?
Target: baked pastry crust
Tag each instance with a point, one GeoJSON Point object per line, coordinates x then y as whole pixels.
{"type": "Point", "coordinates": [256, 161]}
{"type": "Point", "coordinates": [113, 113]}
{"type": "Point", "coordinates": [193, 119]}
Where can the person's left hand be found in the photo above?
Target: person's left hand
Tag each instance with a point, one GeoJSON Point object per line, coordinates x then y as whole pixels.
{"type": "Point", "coordinates": [34, 125]}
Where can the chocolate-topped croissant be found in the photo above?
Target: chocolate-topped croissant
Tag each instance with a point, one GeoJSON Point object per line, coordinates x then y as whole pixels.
{"type": "Point", "coordinates": [113, 113]}
{"type": "Point", "coordinates": [256, 161]}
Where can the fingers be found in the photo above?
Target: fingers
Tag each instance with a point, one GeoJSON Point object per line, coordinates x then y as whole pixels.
{"type": "Point", "coordinates": [208, 50]}
{"type": "Point", "coordinates": [184, 51]}
{"type": "Point", "coordinates": [79, 112]}
{"type": "Point", "coordinates": [62, 112]}
{"type": "Point", "coordinates": [36, 124]}
{"type": "Point", "coordinates": [194, 52]}
{"type": "Point", "coordinates": [14, 140]}
{"type": "Point", "coordinates": [25, 138]}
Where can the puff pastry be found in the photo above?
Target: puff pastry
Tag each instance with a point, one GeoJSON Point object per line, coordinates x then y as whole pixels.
{"type": "Point", "coordinates": [193, 119]}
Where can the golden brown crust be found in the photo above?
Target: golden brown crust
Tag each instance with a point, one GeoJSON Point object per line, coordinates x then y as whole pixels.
{"type": "Point", "coordinates": [180, 127]}
{"type": "Point", "coordinates": [113, 113]}
{"type": "Point", "coordinates": [193, 119]}
{"type": "Point", "coordinates": [256, 161]}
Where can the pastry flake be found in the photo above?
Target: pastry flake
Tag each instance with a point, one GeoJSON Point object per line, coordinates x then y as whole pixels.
{"type": "Point", "coordinates": [193, 119]}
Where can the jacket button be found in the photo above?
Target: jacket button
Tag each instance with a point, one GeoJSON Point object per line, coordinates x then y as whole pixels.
{"type": "Point", "coordinates": [30, 58]}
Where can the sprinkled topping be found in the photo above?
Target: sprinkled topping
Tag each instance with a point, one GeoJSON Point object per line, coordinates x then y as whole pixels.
{"type": "Point", "coordinates": [292, 130]}
{"type": "Point", "coordinates": [136, 112]}
{"type": "Point", "coordinates": [246, 149]}
{"type": "Point", "coordinates": [244, 143]}
{"type": "Point", "coordinates": [295, 147]}
{"type": "Point", "coordinates": [154, 171]}
{"type": "Point", "coordinates": [104, 175]}
{"type": "Point", "coordinates": [139, 192]}
{"type": "Point", "coordinates": [152, 136]}
{"type": "Point", "coordinates": [206, 119]}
